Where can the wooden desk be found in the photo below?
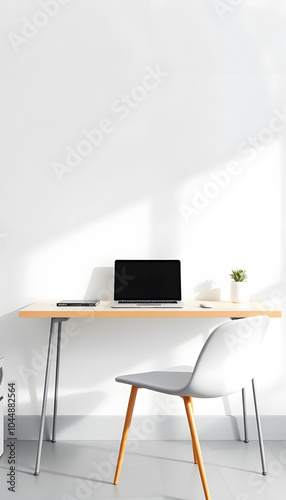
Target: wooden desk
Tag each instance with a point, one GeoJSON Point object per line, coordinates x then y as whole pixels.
{"type": "Point", "coordinates": [192, 309]}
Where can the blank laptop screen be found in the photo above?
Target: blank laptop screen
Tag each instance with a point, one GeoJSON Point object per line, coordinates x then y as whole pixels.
{"type": "Point", "coordinates": [147, 280]}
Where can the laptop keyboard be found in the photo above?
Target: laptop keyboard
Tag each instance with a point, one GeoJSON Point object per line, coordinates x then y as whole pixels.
{"type": "Point", "coordinates": [147, 302]}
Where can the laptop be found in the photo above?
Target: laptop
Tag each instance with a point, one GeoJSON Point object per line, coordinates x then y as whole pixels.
{"type": "Point", "coordinates": [147, 283]}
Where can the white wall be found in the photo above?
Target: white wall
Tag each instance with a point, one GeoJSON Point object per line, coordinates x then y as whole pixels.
{"type": "Point", "coordinates": [144, 191]}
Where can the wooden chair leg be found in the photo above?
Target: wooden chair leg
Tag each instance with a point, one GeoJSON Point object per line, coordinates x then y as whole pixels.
{"type": "Point", "coordinates": [195, 439]}
{"type": "Point", "coordinates": [125, 432]}
{"type": "Point", "coordinates": [194, 451]}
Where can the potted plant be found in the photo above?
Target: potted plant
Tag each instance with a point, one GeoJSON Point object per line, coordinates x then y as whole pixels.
{"type": "Point", "coordinates": [239, 285]}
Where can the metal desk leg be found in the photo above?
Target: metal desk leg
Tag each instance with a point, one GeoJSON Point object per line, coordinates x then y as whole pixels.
{"type": "Point", "coordinates": [57, 381]}
{"type": "Point", "coordinates": [57, 377]}
{"type": "Point", "coordinates": [46, 387]}
{"type": "Point", "coordinates": [246, 440]}
{"type": "Point", "coordinates": [261, 445]}
{"type": "Point", "coordinates": [45, 394]}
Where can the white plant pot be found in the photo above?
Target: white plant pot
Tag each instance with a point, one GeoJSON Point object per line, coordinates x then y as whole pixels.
{"type": "Point", "coordinates": [239, 291]}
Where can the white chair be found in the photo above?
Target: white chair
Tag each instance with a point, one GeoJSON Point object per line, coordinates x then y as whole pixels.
{"type": "Point", "coordinates": [226, 363]}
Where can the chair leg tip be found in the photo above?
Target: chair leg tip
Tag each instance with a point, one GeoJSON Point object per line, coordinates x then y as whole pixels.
{"type": "Point", "coordinates": [264, 473]}
{"type": "Point", "coordinates": [246, 441]}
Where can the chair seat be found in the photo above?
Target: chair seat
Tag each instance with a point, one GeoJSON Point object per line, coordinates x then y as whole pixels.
{"type": "Point", "coordinates": [170, 381]}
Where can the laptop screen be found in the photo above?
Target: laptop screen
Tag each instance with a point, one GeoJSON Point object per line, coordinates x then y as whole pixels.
{"type": "Point", "coordinates": [147, 280]}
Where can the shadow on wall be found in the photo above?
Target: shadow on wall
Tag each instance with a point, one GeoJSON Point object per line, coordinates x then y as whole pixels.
{"type": "Point", "coordinates": [205, 291]}
{"type": "Point", "coordinates": [25, 350]}
{"type": "Point", "coordinates": [100, 284]}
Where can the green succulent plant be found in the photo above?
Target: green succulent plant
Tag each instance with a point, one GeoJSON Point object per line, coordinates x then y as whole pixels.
{"type": "Point", "coordinates": [238, 275]}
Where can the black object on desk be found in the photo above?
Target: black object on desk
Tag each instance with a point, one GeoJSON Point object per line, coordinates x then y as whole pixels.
{"type": "Point", "coordinates": [78, 303]}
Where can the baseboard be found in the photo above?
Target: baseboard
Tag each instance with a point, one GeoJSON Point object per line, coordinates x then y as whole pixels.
{"type": "Point", "coordinates": [153, 427]}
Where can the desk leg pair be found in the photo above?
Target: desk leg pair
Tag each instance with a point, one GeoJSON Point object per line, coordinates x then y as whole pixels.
{"type": "Point", "coordinates": [258, 423]}
{"type": "Point", "coordinates": [46, 387]}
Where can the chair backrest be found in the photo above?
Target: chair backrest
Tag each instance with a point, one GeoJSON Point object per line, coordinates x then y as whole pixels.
{"type": "Point", "coordinates": [228, 358]}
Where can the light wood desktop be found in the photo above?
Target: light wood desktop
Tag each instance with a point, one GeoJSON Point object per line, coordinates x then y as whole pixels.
{"type": "Point", "coordinates": [191, 309]}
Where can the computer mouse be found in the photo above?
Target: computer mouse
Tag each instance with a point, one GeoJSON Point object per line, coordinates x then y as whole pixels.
{"type": "Point", "coordinates": [207, 305]}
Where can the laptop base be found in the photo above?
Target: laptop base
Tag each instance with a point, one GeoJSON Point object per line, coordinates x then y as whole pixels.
{"type": "Point", "coordinates": [164, 305]}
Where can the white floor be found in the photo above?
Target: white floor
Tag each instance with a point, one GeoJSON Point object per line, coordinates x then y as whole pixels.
{"type": "Point", "coordinates": [153, 470]}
